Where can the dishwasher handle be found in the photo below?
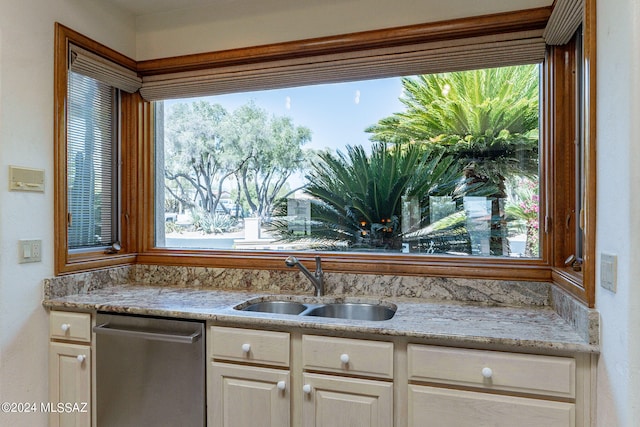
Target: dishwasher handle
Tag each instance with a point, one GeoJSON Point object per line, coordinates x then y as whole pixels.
{"type": "Point", "coordinates": [153, 335]}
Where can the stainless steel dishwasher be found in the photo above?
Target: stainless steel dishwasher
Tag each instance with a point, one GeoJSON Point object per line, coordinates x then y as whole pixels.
{"type": "Point", "coordinates": [149, 372]}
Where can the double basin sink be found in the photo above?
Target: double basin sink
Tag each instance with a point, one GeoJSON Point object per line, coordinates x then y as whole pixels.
{"type": "Point", "coordinates": [339, 310]}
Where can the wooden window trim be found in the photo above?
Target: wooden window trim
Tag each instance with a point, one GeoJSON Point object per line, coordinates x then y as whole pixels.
{"type": "Point", "coordinates": [139, 127]}
{"type": "Point", "coordinates": [65, 261]}
{"type": "Point", "coordinates": [590, 164]}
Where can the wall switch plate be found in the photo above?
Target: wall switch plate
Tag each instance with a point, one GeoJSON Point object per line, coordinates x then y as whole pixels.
{"type": "Point", "coordinates": [29, 251]}
{"type": "Point", "coordinates": [609, 272]}
{"type": "Point", "coordinates": [26, 179]}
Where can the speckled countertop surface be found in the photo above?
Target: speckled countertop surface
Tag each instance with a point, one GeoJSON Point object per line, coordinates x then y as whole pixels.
{"type": "Point", "coordinates": [527, 328]}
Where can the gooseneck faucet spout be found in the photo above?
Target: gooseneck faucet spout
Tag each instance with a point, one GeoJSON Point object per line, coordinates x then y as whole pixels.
{"type": "Point", "coordinates": [317, 278]}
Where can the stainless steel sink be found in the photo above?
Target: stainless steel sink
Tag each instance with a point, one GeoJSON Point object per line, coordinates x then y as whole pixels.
{"type": "Point", "coordinates": [337, 310]}
{"type": "Point", "coordinates": [354, 311]}
{"type": "Point", "coordinates": [278, 307]}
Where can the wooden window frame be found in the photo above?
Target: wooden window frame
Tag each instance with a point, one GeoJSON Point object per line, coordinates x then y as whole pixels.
{"type": "Point", "coordinates": [139, 155]}
{"type": "Point", "coordinates": [66, 261]}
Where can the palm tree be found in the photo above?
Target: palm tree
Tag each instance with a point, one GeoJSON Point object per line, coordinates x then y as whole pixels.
{"type": "Point", "coordinates": [357, 197]}
{"type": "Point", "coordinates": [487, 119]}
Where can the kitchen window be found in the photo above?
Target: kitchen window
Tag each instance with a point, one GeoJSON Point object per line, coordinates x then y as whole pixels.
{"type": "Point", "coordinates": [427, 164]}
{"type": "Point", "coordinates": [93, 92]}
{"type": "Point", "coordinates": [378, 243]}
{"type": "Point", "coordinates": [151, 217]}
{"type": "Point", "coordinates": [170, 84]}
{"type": "Point", "coordinates": [92, 163]}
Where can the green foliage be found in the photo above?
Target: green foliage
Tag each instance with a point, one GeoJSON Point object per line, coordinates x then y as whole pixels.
{"type": "Point", "coordinates": [487, 119]}
{"type": "Point", "coordinates": [269, 151]}
{"type": "Point", "coordinates": [213, 223]}
{"type": "Point", "coordinates": [523, 206]}
{"type": "Point", "coordinates": [460, 134]}
{"type": "Point", "coordinates": [357, 197]}
{"type": "Point", "coordinates": [208, 150]}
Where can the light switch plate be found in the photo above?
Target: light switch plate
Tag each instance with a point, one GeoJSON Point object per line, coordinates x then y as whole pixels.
{"type": "Point", "coordinates": [609, 272]}
{"type": "Point", "coordinates": [29, 251]}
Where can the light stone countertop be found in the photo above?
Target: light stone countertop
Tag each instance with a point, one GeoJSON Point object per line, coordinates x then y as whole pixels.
{"type": "Point", "coordinates": [516, 328]}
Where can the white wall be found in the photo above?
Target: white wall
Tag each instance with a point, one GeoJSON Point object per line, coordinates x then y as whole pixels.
{"type": "Point", "coordinates": [619, 209]}
{"type": "Point", "coordinates": [26, 139]}
{"type": "Point", "coordinates": [234, 24]}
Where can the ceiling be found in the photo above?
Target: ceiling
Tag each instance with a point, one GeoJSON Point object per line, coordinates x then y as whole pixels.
{"type": "Point", "coordinates": [150, 7]}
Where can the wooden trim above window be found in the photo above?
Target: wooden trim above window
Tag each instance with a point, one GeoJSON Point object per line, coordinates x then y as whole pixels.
{"type": "Point", "coordinates": [496, 50]}
{"type": "Point", "coordinates": [523, 20]}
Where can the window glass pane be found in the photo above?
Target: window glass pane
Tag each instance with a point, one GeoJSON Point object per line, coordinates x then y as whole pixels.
{"type": "Point", "coordinates": [428, 164]}
{"type": "Point", "coordinates": [90, 162]}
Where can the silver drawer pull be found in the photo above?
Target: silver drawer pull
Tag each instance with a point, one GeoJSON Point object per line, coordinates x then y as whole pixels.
{"type": "Point", "coordinates": [168, 336]}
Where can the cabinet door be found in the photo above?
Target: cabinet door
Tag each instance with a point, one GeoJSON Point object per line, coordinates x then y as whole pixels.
{"type": "Point", "coordinates": [69, 385]}
{"type": "Point", "coordinates": [439, 407]}
{"type": "Point", "coordinates": [335, 401]}
{"type": "Point", "coordinates": [248, 396]}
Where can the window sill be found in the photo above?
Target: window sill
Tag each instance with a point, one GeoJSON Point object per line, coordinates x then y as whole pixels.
{"type": "Point", "coordinates": [400, 264]}
{"type": "Point", "coordinates": [76, 263]}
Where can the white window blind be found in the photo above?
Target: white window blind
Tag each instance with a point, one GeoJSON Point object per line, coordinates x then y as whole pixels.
{"type": "Point", "coordinates": [496, 50]}
{"type": "Point", "coordinates": [89, 64]}
{"type": "Point", "coordinates": [565, 19]}
{"type": "Point", "coordinates": [91, 168]}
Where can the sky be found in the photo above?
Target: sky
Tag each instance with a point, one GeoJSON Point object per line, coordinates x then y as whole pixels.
{"type": "Point", "coordinates": [337, 114]}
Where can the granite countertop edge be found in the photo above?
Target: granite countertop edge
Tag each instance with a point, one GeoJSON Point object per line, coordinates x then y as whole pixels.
{"type": "Point", "coordinates": [526, 329]}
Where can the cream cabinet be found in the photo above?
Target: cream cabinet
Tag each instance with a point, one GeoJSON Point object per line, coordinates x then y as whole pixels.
{"type": "Point", "coordinates": [249, 396]}
{"type": "Point", "coordinates": [342, 401]}
{"type": "Point", "coordinates": [332, 397]}
{"type": "Point", "coordinates": [465, 388]}
{"type": "Point", "coordinates": [442, 407]}
{"type": "Point", "coordinates": [299, 379]}
{"type": "Point", "coordinates": [262, 378]}
{"type": "Point", "coordinates": [70, 365]}
{"type": "Point", "coordinates": [249, 382]}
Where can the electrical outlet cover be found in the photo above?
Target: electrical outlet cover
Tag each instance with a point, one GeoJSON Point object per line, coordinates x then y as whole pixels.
{"type": "Point", "coordinates": [609, 271]}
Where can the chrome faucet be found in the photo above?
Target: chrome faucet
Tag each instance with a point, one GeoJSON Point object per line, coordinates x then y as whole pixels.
{"type": "Point", "coordinates": [317, 278]}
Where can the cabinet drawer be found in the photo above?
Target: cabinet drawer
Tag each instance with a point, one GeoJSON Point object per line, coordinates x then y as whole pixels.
{"type": "Point", "coordinates": [348, 356]}
{"type": "Point", "coordinates": [546, 375]}
{"type": "Point", "coordinates": [70, 326]}
{"type": "Point", "coordinates": [440, 407]}
{"type": "Point", "coordinates": [249, 345]}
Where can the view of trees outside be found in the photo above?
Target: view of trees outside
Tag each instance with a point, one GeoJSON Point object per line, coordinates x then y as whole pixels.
{"type": "Point", "coordinates": [452, 169]}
